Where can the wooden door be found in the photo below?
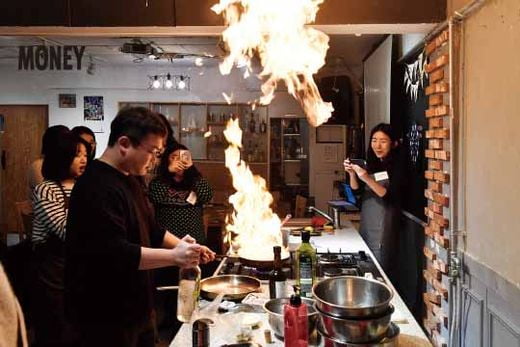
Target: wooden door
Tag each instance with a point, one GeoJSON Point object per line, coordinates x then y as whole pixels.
{"type": "Point", "coordinates": [20, 145]}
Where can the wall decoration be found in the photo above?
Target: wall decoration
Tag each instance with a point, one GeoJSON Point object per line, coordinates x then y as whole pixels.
{"type": "Point", "coordinates": [414, 76]}
{"type": "Point", "coordinates": [67, 100]}
{"type": "Point", "coordinates": [93, 108]}
{"type": "Point", "coordinates": [414, 136]}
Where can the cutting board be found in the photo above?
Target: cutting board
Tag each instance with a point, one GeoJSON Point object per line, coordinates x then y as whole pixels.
{"type": "Point", "coordinates": [298, 222]}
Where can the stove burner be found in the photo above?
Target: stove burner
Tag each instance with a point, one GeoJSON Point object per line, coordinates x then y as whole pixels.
{"type": "Point", "coordinates": [332, 272]}
{"type": "Point", "coordinates": [330, 258]}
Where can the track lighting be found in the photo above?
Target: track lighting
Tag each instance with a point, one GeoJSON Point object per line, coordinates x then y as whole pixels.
{"type": "Point", "coordinates": [169, 81]}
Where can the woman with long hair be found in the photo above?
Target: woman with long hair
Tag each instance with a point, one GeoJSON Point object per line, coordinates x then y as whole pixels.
{"type": "Point", "coordinates": [382, 183]}
{"type": "Point", "coordinates": [61, 167]}
{"type": "Point", "coordinates": [179, 192]}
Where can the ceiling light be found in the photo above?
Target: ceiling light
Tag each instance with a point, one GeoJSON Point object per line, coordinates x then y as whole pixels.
{"type": "Point", "coordinates": [168, 84]}
{"type": "Point", "coordinates": [181, 84]}
{"type": "Point", "coordinates": [156, 84]}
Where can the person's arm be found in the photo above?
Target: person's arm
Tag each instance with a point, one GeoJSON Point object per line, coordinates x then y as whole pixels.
{"type": "Point", "coordinates": [369, 181]}
{"type": "Point", "coordinates": [203, 191]}
{"type": "Point", "coordinates": [353, 181]}
{"type": "Point", "coordinates": [49, 210]}
{"type": "Point", "coordinates": [183, 255]}
{"type": "Point", "coordinates": [171, 241]}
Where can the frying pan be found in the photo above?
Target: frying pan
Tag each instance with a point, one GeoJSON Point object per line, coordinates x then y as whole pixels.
{"type": "Point", "coordinates": [234, 287]}
{"type": "Point", "coordinates": [260, 264]}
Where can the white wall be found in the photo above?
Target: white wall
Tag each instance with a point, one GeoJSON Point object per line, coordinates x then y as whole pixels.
{"type": "Point", "coordinates": [492, 123]}
{"type": "Point", "coordinates": [378, 68]}
{"type": "Point", "coordinates": [125, 83]}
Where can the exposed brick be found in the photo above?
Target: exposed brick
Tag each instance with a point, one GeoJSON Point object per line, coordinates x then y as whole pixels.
{"type": "Point", "coordinates": [436, 122]}
{"type": "Point", "coordinates": [429, 153]}
{"type": "Point", "coordinates": [433, 273]}
{"type": "Point", "coordinates": [429, 232]}
{"type": "Point", "coordinates": [437, 111]}
{"type": "Point", "coordinates": [428, 194]}
{"type": "Point", "coordinates": [435, 186]}
{"type": "Point", "coordinates": [436, 207]}
{"type": "Point", "coordinates": [436, 88]}
{"type": "Point", "coordinates": [440, 265]}
{"type": "Point", "coordinates": [435, 144]}
{"type": "Point", "coordinates": [428, 253]}
{"type": "Point", "coordinates": [437, 42]}
{"type": "Point", "coordinates": [437, 63]}
{"type": "Point", "coordinates": [442, 133]}
{"type": "Point", "coordinates": [442, 155]}
{"type": "Point", "coordinates": [432, 297]}
{"type": "Point", "coordinates": [443, 241]}
{"type": "Point", "coordinates": [441, 199]}
{"type": "Point", "coordinates": [441, 176]}
{"type": "Point", "coordinates": [435, 227]}
{"type": "Point", "coordinates": [435, 165]}
{"type": "Point", "coordinates": [439, 219]}
{"type": "Point", "coordinates": [436, 76]}
{"type": "Point", "coordinates": [432, 324]}
{"type": "Point", "coordinates": [430, 134]}
{"type": "Point", "coordinates": [435, 100]}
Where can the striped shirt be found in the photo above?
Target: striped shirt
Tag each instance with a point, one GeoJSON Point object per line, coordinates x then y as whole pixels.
{"type": "Point", "coordinates": [50, 216]}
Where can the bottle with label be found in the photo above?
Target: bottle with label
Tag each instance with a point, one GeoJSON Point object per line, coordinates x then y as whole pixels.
{"type": "Point", "coordinates": [305, 266]}
{"type": "Point", "coordinates": [277, 278]}
{"type": "Point", "coordinates": [295, 323]}
{"type": "Point", "coordinates": [252, 123]}
{"type": "Point", "coordinates": [188, 296]}
{"type": "Point", "coordinates": [263, 126]}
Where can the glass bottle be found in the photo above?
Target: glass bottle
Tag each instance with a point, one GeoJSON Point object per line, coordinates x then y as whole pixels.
{"type": "Point", "coordinates": [252, 123]}
{"type": "Point", "coordinates": [263, 126]}
{"type": "Point", "coordinates": [277, 278]}
{"type": "Point", "coordinates": [305, 266]}
{"type": "Point", "coordinates": [189, 290]}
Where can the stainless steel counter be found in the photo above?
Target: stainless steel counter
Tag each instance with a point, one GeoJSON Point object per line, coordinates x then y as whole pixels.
{"type": "Point", "coordinates": [349, 240]}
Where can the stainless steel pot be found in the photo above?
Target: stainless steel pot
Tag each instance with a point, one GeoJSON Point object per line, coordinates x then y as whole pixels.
{"type": "Point", "coordinates": [234, 287]}
{"type": "Point", "coordinates": [359, 330]}
{"type": "Point", "coordinates": [274, 309]}
{"type": "Point", "coordinates": [351, 296]}
{"type": "Point", "coordinates": [390, 340]}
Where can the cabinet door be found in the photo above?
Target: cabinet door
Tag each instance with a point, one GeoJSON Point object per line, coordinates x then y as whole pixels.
{"type": "Point", "coordinates": [171, 112]}
{"type": "Point", "coordinates": [193, 126]}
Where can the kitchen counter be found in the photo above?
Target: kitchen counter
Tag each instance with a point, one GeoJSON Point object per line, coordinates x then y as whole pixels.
{"type": "Point", "coordinates": [348, 240]}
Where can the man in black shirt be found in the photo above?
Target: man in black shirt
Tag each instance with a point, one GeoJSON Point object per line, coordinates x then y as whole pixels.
{"type": "Point", "coordinates": [112, 238]}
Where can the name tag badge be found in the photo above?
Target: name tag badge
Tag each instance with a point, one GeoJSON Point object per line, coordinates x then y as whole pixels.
{"type": "Point", "coordinates": [381, 176]}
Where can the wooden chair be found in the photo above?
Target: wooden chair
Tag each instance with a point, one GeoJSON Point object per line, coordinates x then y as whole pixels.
{"type": "Point", "coordinates": [299, 206]}
{"type": "Point", "coordinates": [25, 218]}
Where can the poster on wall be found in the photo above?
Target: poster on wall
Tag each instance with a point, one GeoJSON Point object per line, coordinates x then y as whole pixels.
{"type": "Point", "coordinates": [93, 113]}
{"type": "Point", "coordinates": [93, 108]}
{"type": "Point", "coordinates": [67, 100]}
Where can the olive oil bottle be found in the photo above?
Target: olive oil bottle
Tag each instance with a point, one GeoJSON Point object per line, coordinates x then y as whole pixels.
{"type": "Point", "coordinates": [305, 266]}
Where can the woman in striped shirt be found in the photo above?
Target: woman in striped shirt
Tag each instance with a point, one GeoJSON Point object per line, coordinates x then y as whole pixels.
{"type": "Point", "coordinates": [60, 169]}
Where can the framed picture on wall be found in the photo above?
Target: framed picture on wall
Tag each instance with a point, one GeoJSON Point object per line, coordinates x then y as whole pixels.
{"type": "Point", "coordinates": [67, 100]}
{"type": "Point", "coordinates": [93, 108]}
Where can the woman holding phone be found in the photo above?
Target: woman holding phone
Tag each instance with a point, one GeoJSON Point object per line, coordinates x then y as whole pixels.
{"type": "Point", "coordinates": [179, 192]}
{"type": "Point", "coordinates": [381, 182]}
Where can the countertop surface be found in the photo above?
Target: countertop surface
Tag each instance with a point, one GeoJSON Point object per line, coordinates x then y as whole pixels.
{"type": "Point", "coordinates": [347, 239]}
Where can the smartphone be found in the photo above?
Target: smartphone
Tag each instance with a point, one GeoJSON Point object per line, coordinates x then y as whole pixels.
{"type": "Point", "coordinates": [359, 162]}
{"type": "Point", "coordinates": [185, 156]}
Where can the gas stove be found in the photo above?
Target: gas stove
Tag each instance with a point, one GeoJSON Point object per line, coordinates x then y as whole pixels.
{"type": "Point", "coordinates": [328, 265]}
{"type": "Point", "coordinates": [347, 263]}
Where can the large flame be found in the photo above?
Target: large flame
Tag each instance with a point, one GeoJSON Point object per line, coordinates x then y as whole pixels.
{"type": "Point", "coordinates": [256, 227]}
{"type": "Point", "coordinates": [289, 50]}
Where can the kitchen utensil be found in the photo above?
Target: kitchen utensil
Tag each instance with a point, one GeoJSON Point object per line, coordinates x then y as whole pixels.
{"type": "Point", "coordinates": [274, 309]}
{"type": "Point", "coordinates": [390, 339]}
{"type": "Point", "coordinates": [357, 330]}
{"type": "Point", "coordinates": [351, 296]}
{"type": "Point", "coordinates": [234, 287]}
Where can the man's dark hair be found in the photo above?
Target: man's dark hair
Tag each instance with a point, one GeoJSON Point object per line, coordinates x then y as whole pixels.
{"type": "Point", "coordinates": [52, 137]}
{"type": "Point", "coordinates": [135, 123]}
{"type": "Point", "coordinates": [56, 163]}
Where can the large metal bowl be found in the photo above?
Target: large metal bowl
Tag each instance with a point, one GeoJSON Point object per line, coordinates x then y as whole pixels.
{"type": "Point", "coordinates": [351, 296]}
{"type": "Point", "coordinates": [390, 339]}
{"type": "Point", "coordinates": [274, 309]}
{"type": "Point", "coordinates": [359, 330]}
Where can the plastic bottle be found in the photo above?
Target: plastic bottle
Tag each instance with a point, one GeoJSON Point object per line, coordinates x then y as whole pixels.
{"type": "Point", "coordinates": [189, 290]}
{"type": "Point", "coordinates": [305, 266]}
{"type": "Point", "coordinates": [295, 323]}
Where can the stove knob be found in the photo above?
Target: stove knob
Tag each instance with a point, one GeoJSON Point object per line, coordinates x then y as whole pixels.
{"type": "Point", "coordinates": [362, 255]}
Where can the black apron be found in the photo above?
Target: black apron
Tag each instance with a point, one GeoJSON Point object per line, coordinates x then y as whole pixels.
{"type": "Point", "coordinates": [379, 221]}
